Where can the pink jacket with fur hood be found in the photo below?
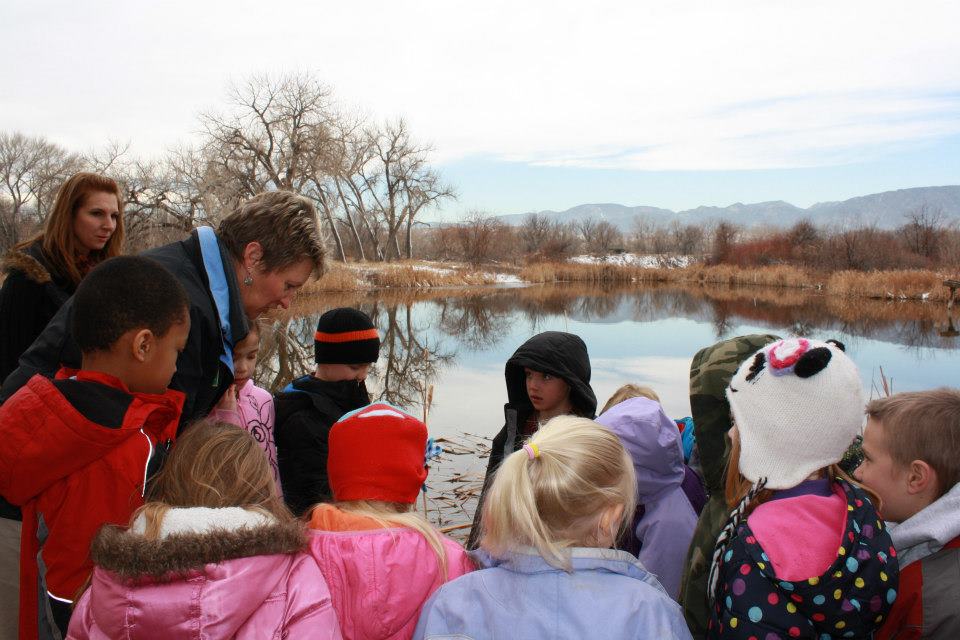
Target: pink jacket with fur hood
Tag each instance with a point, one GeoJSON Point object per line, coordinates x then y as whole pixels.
{"type": "Point", "coordinates": [212, 573]}
{"type": "Point", "coordinates": [379, 578]}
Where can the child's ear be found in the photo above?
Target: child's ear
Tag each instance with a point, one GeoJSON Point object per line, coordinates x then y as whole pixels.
{"type": "Point", "coordinates": [921, 478]}
{"type": "Point", "coordinates": [143, 345]}
{"type": "Point", "coordinates": [610, 519]}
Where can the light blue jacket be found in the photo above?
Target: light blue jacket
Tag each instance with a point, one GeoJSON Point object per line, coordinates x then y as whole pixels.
{"type": "Point", "coordinates": [607, 595]}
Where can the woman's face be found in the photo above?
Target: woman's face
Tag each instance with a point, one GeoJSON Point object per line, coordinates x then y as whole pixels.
{"type": "Point", "coordinates": [95, 221]}
{"type": "Point", "coordinates": [273, 289]}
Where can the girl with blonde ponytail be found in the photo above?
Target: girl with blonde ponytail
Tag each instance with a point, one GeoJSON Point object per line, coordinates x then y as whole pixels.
{"type": "Point", "coordinates": [555, 508]}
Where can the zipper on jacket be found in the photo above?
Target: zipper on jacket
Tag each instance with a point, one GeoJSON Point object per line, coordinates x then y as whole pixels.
{"type": "Point", "coordinates": [146, 465]}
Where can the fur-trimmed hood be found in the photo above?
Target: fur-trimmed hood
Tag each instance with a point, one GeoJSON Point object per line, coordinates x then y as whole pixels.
{"type": "Point", "coordinates": [212, 573]}
{"type": "Point", "coordinates": [192, 538]}
{"type": "Point", "coordinates": [30, 261]}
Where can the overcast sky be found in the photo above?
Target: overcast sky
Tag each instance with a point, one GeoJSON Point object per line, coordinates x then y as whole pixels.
{"type": "Point", "coordinates": [533, 105]}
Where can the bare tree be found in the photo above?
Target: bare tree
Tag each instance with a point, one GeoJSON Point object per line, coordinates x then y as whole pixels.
{"type": "Point", "coordinates": [534, 232]}
{"type": "Point", "coordinates": [599, 237]}
{"type": "Point", "coordinates": [586, 228]}
{"type": "Point", "coordinates": [724, 238]}
{"type": "Point", "coordinates": [687, 238]}
{"type": "Point", "coordinates": [641, 234]}
{"type": "Point", "coordinates": [400, 183]}
{"type": "Point", "coordinates": [923, 231]}
{"type": "Point", "coordinates": [31, 171]}
{"type": "Point", "coordinates": [477, 235]}
{"type": "Point", "coordinates": [370, 184]}
{"type": "Point", "coordinates": [276, 134]}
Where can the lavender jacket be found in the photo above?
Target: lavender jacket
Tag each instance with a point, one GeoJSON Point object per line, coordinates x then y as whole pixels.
{"type": "Point", "coordinates": [607, 595]}
{"type": "Point", "coordinates": [666, 528]}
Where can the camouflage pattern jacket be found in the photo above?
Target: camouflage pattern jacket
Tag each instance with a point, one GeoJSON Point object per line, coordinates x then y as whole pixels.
{"type": "Point", "coordinates": [710, 374]}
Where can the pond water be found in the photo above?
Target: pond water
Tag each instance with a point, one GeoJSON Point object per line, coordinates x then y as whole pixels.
{"type": "Point", "coordinates": [458, 341]}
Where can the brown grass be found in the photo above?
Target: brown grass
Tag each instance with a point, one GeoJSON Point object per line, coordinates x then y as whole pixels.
{"type": "Point", "coordinates": [407, 274]}
{"type": "Point", "coordinates": [897, 285]}
{"type": "Point", "coordinates": [775, 276]}
{"type": "Point", "coordinates": [576, 272]}
{"type": "Point", "coordinates": [413, 275]}
{"type": "Point", "coordinates": [337, 278]}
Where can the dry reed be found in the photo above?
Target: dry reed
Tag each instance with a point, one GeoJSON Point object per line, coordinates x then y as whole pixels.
{"type": "Point", "coordinates": [897, 285]}
{"type": "Point", "coordinates": [419, 276]}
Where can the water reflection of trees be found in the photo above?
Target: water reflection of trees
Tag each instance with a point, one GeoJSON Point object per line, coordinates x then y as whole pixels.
{"type": "Point", "coordinates": [422, 331]}
{"type": "Point", "coordinates": [286, 351]}
{"type": "Point", "coordinates": [478, 322]}
{"type": "Point", "coordinates": [410, 355]}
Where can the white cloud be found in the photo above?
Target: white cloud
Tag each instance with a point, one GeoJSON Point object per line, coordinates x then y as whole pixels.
{"type": "Point", "coordinates": [678, 85]}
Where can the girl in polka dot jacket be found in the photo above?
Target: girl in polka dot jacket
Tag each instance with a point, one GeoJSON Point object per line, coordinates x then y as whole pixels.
{"type": "Point", "coordinates": [804, 554]}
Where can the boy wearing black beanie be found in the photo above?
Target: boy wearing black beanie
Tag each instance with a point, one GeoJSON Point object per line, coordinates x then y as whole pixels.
{"type": "Point", "coordinates": [345, 345]}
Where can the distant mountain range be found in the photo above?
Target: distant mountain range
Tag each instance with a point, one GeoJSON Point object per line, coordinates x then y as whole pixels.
{"type": "Point", "coordinates": [886, 210]}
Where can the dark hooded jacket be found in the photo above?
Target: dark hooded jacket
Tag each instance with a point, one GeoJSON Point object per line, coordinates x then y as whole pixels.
{"type": "Point", "coordinates": [306, 410]}
{"type": "Point", "coordinates": [710, 374]}
{"type": "Point", "coordinates": [203, 374]}
{"type": "Point", "coordinates": [850, 599]}
{"type": "Point", "coordinates": [31, 295]}
{"type": "Point", "coordinates": [560, 354]}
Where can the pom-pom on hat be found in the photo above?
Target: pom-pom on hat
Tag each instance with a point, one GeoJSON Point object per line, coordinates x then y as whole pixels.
{"type": "Point", "coordinates": [377, 453]}
{"type": "Point", "coordinates": [345, 336]}
{"type": "Point", "coordinates": [797, 404]}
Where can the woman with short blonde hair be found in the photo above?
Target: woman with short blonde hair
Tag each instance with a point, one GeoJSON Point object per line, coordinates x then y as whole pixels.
{"type": "Point", "coordinates": [256, 261]}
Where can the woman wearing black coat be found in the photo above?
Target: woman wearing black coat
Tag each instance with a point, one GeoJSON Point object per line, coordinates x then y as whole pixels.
{"type": "Point", "coordinates": [84, 228]}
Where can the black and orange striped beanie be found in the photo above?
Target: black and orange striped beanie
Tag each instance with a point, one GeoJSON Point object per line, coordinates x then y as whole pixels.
{"type": "Point", "coordinates": [345, 336]}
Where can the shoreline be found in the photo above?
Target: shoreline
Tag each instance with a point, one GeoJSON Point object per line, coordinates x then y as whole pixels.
{"type": "Point", "coordinates": [919, 285]}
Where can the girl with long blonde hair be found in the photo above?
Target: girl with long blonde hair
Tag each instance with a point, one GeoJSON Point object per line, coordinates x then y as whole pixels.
{"type": "Point", "coordinates": [381, 558]}
{"type": "Point", "coordinates": [555, 508]}
{"type": "Point", "coordinates": [214, 552]}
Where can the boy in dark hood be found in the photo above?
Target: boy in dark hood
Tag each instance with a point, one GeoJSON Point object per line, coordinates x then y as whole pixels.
{"type": "Point", "coordinates": [549, 375]}
{"type": "Point", "coordinates": [346, 344]}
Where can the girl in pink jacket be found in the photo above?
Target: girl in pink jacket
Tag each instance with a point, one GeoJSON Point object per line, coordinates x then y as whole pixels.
{"type": "Point", "coordinates": [381, 559]}
{"type": "Point", "coordinates": [247, 405]}
{"type": "Point", "coordinates": [214, 553]}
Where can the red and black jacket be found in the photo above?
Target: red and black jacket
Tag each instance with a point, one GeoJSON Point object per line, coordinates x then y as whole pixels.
{"type": "Point", "coordinates": [926, 604]}
{"type": "Point", "coordinates": [75, 454]}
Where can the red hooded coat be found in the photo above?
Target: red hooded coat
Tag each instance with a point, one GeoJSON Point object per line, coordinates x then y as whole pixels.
{"type": "Point", "coordinates": [75, 454]}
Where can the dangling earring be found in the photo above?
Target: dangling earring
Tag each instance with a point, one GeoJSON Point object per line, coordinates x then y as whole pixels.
{"type": "Point", "coordinates": [248, 280]}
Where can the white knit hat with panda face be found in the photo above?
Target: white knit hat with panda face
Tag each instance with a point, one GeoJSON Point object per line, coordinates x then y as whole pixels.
{"type": "Point", "coordinates": [797, 404]}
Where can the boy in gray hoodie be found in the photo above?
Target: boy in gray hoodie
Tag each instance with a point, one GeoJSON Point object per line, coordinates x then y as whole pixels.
{"type": "Point", "coordinates": [911, 448]}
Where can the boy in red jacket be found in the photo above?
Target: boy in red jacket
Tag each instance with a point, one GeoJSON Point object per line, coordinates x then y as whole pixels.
{"type": "Point", "coordinates": [77, 451]}
{"type": "Point", "coordinates": [911, 449]}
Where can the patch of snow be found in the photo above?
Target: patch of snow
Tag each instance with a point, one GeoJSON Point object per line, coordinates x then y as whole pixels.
{"type": "Point", "coordinates": [439, 270]}
{"type": "Point", "coordinates": [503, 278]}
{"type": "Point", "coordinates": [634, 260]}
